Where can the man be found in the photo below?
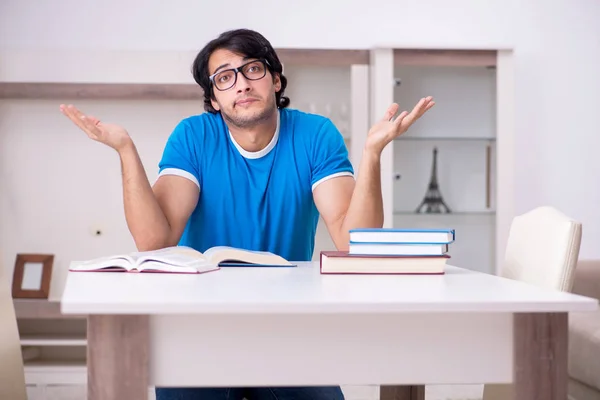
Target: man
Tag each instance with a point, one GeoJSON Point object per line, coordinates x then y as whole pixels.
{"type": "Point", "coordinates": [250, 173]}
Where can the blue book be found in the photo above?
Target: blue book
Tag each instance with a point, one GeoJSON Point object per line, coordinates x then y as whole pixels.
{"type": "Point", "coordinates": [391, 235]}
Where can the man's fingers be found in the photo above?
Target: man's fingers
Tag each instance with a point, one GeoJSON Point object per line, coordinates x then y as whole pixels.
{"type": "Point", "coordinates": [93, 120]}
{"type": "Point", "coordinates": [424, 105]}
{"type": "Point", "coordinates": [429, 105]}
{"type": "Point", "coordinates": [88, 124]}
{"type": "Point", "coordinates": [69, 113]}
{"type": "Point", "coordinates": [391, 111]}
{"type": "Point", "coordinates": [400, 118]}
{"type": "Point", "coordinates": [419, 109]}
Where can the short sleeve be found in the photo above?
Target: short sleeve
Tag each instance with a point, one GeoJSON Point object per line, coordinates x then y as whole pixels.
{"type": "Point", "coordinates": [329, 155]}
{"type": "Point", "coordinates": [180, 156]}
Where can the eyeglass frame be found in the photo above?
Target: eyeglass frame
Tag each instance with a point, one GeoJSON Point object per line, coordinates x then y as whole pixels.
{"type": "Point", "coordinates": [239, 70]}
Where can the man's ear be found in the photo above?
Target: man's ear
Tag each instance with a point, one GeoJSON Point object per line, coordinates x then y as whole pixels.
{"type": "Point", "coordinates": [215, 104]}
{"type": "Point", "coordinates": [277, 82]}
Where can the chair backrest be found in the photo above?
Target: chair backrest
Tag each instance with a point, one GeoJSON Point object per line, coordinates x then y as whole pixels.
{"type": "Point", "coordinates": [543, 248]}
{"type": "Point", "coordinates": [12, 374]}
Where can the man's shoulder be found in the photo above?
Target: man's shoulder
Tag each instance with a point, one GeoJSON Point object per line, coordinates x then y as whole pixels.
{"type": "Point", "coordinates": [204, 121]}
{"type": "Point", "coordinates": [308, 127]}
{"type": "Point", "coordinates": [305, 119]}
{"type": "Point", "coordinates": [199, 127]}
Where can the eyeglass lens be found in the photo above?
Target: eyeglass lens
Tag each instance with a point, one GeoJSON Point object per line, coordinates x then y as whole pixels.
{"type": "Point", "coordinates": [253, 70]}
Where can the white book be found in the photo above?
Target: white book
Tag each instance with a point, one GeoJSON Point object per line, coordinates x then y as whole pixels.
{"type": "Point", "coordinates": [388, 235]}
{"type": "Point", "coordinates": [400, 249]}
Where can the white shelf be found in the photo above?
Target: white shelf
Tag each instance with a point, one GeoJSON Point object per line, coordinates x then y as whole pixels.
{"type": "Point", "coordinates": [53, 340]}
{"type": "Point", "coordinates": [55, 372]}
{"type": "Point", "coordinates": [423, 138]}
{"type": "Point", "coordinates": [452, 214]}
{"type": "Point", "coordinates": [46, 365]}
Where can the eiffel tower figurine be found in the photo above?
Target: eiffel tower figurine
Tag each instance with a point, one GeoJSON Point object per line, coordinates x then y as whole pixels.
{"type": "Point", "coordinates": [433, 201]}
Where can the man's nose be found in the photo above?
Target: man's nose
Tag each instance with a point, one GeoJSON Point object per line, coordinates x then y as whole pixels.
{"type": "Point", "coordinates": [242, 83]}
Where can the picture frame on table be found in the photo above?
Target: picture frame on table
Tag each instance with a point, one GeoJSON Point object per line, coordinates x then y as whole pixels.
{"type": "Point", "coordinates": [32, 276]}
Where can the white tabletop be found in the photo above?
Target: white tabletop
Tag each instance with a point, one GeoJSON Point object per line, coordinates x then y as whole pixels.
{"type": "Point", "coordinates": [303, 289]}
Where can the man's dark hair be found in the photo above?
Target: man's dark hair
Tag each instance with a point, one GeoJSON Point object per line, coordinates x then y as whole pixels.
{"type": "Point", "coordinates": [248, 43]}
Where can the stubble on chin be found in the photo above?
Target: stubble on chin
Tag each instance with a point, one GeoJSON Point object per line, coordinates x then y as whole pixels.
{"type": "Point", "coordinates": [250, 121]}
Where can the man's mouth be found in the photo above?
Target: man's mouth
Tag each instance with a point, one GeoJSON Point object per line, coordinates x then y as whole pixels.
{"type": "Point", "coordinates": [245, 101]}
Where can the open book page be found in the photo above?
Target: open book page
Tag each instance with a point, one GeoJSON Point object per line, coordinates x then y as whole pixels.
{"type": "Point", "coordinates": [119, 262]}
{"type": "Point", "coordinates": [170, 259]}
{"type": "Point", "coordinates": [233, 255]}
{"type": "Point", "coordinates": [177, 255]}
{"type": "Point", "coordinates": [174, 259]}
{"type": "Point", "coordinates": [181, 259]}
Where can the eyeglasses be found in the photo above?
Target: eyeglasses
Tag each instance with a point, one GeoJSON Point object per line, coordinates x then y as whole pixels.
{"type": "Point", "coordinates": [226, 79]}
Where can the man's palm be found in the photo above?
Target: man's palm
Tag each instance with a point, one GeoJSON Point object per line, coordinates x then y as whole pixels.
{"type": "Point", "coordinates": [111, 135]}
{"type": "Point", "coordinates": [388, 128]}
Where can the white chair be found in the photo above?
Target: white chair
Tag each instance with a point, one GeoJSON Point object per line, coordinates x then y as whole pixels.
{"type": "Point", "coordinates": [542, 249]}
{"type": "Point", "coordinates": [12, 374]}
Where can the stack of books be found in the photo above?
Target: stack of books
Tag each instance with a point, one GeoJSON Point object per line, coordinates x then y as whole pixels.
{"type": "Point", "coordinates": [391, 251]}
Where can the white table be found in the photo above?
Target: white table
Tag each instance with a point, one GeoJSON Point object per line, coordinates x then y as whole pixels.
{"type": "Point", "coordinates": [293, 326]}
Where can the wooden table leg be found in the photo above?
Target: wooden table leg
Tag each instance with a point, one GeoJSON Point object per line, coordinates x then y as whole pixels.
{"type": "Point", "coordinates": [540, 356]}
{"type": "Point", "coordinates": [416, 392]}
{"type": "Point", "coordinates": [117, 357]}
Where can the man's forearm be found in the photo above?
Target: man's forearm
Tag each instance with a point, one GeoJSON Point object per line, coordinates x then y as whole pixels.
{"type": "Point", "coordinates": [366, 205]}
{"type": "Point", "coordinates": [145, 219]}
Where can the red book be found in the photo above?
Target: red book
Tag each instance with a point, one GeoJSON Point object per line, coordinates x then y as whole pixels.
{"type": "Point", "coordinates": [340, 262]}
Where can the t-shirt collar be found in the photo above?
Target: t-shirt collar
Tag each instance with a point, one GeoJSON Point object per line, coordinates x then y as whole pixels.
{"type": "Point", "coordinates": [262, 152]}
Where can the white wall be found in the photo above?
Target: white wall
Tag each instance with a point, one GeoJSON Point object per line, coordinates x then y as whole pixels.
{"type": "Point", "coordinates": [57, 186]}
{"type": "Point", "coordinates": [557, 118]}
{"type": "Point", "coordinates": [187, 24]}
{"type": "Point", "coordinates": [556, 47]}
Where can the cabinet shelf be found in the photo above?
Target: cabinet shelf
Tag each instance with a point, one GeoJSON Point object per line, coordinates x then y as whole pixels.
{"type": "Point", "coordinates": [452, 214]}
{"type": "Point", "coordinates": [41, 309]}
{"type": "Point", "coordinates": [446, 139]}
{"type": "Point", "coordinates": [55, 372]}
{"type": "Point", "coordinates": [53, 340]}
{"type": "Point", "coordinates": [48, 365]}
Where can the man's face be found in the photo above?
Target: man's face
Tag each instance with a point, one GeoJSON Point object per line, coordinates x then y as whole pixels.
{"type": "Point", "coordinates": [248, 102]}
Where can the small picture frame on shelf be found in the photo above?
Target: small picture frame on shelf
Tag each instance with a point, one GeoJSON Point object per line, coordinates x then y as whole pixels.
{"type": "Point", "coordinates": [31, 276]}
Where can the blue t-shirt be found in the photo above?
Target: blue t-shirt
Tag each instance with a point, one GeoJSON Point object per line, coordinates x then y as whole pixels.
{"type": "Point", "coordinates": [256, 200]}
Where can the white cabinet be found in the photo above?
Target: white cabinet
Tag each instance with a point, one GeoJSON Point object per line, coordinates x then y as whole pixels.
{"type": "Point", "coordinates": [470, 127]}
{"type": "Point", "coordinates": [54, 349]}
{"type": "Point", "coordinates": [471, 121]}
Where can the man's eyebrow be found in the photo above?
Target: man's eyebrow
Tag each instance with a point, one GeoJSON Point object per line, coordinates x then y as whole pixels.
{"type": "Point", "coordinates": [221, 66]}
{"type": "Point", "coordinates": [227, 65]}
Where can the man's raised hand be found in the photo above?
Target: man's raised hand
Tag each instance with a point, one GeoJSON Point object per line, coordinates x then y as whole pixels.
{"type": "Point", "coordinates": [111, 135]}
{"type": "Point", "coordinates": [389, 128]}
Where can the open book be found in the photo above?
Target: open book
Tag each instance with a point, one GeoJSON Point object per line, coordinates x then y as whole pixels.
{"type": "Point", "coordinates": [180, 259]}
